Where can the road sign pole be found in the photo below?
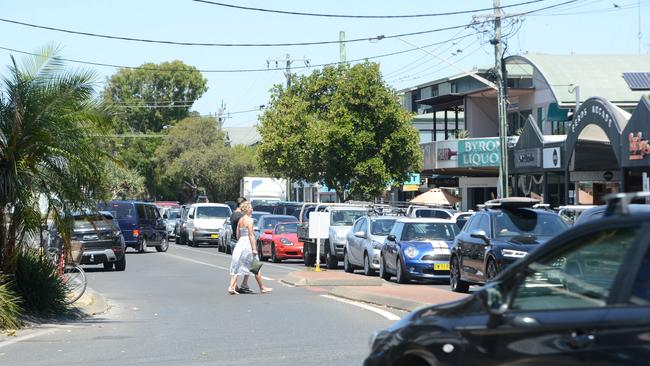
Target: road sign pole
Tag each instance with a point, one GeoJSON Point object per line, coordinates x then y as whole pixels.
{"type": "Point", "coordinates": [318, 254]}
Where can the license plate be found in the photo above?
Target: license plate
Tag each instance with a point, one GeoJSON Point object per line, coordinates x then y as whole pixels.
{"type": "Point", "coordinates": [90, 237]}
{"type": "Point", "coordinates": [214, 236]}
{"type": "Point", "coordinates": [441, 267]}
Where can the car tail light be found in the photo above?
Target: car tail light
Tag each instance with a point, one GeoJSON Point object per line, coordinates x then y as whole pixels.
{"type": "Point", "coordinates": [136, 233]}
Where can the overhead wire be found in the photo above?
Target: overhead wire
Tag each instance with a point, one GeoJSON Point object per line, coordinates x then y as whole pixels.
{"type": "Point", "coordinates": [424, 15]}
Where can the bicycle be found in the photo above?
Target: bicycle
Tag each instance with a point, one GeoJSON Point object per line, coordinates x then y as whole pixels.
{"type": "Point", "coordinates": [72, 276]}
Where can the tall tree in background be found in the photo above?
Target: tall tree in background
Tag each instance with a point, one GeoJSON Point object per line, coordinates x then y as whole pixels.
{"type": "Point", "coordinates": [152, 96]}
{"type": "Point", "coordinates": [342, 126]}
{"type": "Point", "coordinates": [48, 149]}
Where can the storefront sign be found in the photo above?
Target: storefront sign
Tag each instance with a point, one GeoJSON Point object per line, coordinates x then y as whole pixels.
{"type": "Point", "coordinates": [639, 147]}
{"type": "Point", "coordinates": [447, 154]}
{"type": "Point", "coordinates": [410, 187]}
{"type": "Point", "coordinates": [414, 179]}
{"type": "Point", "coordinates": [478, 152]}
{"type": "Point", "coordinates": [527, 158]}
{"type": "Point", "coordinates": [552, 158]}
{"type": "Point", "coordinates": [608, 175]}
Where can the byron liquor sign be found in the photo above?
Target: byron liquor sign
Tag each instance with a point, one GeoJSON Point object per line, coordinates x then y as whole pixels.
{"type": "Point", "coordinates": [479, 152]}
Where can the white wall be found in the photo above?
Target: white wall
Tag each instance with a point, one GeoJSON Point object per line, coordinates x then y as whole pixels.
{"type": "Point", "coordinates": [481, 116]}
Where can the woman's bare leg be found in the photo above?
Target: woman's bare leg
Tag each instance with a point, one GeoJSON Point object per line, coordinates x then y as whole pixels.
{"type": "Point", "coordinates": [233, 284]}
{"type": "Point", "coordinates": [260, 283]}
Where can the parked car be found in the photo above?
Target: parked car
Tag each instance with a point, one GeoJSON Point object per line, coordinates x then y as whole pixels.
{"type": "Point", "coordinates": [504, 231]}
{"type": "Point", "coordinates": [224, 243]}
{"type": "Point", "coordinates": [140, 223]}
{"type": "Point", "coordinates": [431, 212]}
{"type": "Point", "coordinates": [364, 242]}
{"type": "Point", "coordinates": [268, 222]}
{"type": "Point", "coordinates": [571, 213]}
{"type": "Point", "coordinates": [417, 249]}
{"type": "Point", "coordinates": [180, 230]}
{"type": "Point", "coordinates": [583, 298]}
{"type": "Point", "coordinates": [205, 223]}
{"type": "Point", "coordinates": [280, 243]}
{"type": "Point", "coordinates": [100, 236]}
{"type": "Point", "coordinates": [231, 242]}
{"type": "Point", "coordinates": [460, 218]}
{"type": "Point", "coordinates": [171, 216]}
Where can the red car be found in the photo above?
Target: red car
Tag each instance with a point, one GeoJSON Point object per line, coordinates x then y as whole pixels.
{"type": "Point", "coordinates": [281, 243]}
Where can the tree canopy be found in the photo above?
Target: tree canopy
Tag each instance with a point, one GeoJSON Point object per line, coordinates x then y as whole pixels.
{"type": "Point", "coordinates": [342, 126]}
{"type": "Point", "coordinates": [152, 96]}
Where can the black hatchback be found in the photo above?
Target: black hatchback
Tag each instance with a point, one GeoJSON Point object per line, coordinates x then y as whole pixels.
{"type": "Point", "coordinates": [583, 298]}
{"type": "Point", "coordinates": [495, 237]}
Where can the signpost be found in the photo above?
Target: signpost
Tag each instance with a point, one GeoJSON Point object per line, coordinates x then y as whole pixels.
{"type": "Point", "coordinates": [319, 223]}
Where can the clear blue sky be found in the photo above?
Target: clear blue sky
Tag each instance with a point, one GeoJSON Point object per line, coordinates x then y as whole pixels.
{"type": "Point", "coordinates": [583, 27]}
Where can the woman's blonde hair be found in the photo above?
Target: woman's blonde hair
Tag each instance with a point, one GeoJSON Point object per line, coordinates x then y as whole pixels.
{"type": "Point", "coordinates": [246, 208]}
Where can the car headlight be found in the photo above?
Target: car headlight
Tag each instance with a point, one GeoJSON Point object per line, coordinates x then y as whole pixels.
{"type": "Point", "coordinates": [286, 241]}
{"type": "Point", "coordinates": [376, 244]}
{"type": "Point", "coordinates": [513, 253]}
{"type": "Point", "coordinates": [411, 252]}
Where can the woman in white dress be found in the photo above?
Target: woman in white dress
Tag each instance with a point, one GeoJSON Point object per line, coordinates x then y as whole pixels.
{"type": "Point", "coordinates": [244, 252]}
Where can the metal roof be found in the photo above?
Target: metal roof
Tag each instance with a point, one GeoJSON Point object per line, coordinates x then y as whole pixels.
{"type": "Point", "coordinates": [637, 80]}
{"type": "Point", "coordinates": [597, 75]}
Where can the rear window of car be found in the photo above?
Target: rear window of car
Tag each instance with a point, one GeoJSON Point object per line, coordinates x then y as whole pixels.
{"type": "Point", "coordinates": [119, 210]}
{"type": "Point", "coordinates": [345, 217]}
{"type": "Point", "coordinates": [270, 222]}
{"type": "Point", "coordinates": [382, 227]}
{"type": "Point", "coordinates": [206, 212]}
{"type": "Point", "coordinates": [173, 214]}
{"type": "Point", "coordinates": [422, 231]}
{"type": "Point", "coordinates": [524, 222]}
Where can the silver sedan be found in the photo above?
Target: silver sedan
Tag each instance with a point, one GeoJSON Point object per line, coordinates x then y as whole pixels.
{"type": "Point", "coordinates": [364, 243]}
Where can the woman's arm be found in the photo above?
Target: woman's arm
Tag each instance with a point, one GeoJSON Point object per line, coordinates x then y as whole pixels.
{"type": "Point", "coordinates": [251, 234]}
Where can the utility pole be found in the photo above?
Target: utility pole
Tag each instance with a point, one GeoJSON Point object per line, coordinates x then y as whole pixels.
{"type": "Point", "coordinates": [501, 102]}
{"type": "Point", "coordinates": [288, 61]}
{"type": "Point", "coordinates": [342, 56]}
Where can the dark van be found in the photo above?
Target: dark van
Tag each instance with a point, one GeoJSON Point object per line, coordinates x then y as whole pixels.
{"type": "Point", "coordinates": [140, 223]}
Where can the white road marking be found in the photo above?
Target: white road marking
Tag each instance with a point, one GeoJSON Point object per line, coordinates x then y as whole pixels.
{"type": "Point", "coordinates": [51, 329]}
{"type": "Point", "coordinates": [386, 314]}
{"type": "Point", "coordinates": [209, 264]}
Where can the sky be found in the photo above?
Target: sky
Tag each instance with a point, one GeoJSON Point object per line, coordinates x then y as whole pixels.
{"type": "Point", "coordinates": [579, 26]}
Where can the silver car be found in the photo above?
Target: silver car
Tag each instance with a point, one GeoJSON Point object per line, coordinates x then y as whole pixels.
{"type": "Point", "coordinates": [364, 243]}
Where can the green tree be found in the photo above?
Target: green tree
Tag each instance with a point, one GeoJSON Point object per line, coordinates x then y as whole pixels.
{"type": "Point", "coordinates": [152, 96]}
{"type": "Point", "coordinates": [342, 126]}
{"type": "Point", "coordinates": [48, 128]}
{"type": "Point", "coordinates": [122, 182]}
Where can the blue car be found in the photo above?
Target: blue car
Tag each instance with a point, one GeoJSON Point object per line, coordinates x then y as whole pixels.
{"type": "Point", "coordinates": [417, 249]}
{"type": "Point", "coordinates": [140, 223]}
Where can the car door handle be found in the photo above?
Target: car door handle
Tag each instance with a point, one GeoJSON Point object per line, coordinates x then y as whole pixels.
{"type": "Point", "coordinates": [523, 321]}
{"type": "Point", "coordinates": [579, 340]}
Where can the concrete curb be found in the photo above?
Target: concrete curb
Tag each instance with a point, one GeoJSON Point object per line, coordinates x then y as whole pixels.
{"type": "Point", "coordinates": [91, 303]}
{"type": "Point", "coordinates": [296, 279]}
{"type": "Point", "coordinates": [377, 299]}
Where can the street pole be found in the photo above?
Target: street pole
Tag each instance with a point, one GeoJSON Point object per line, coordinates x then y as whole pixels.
{"type": "Point", "coordinates": [288, 61]}
{"type": "Point", "coordinates": [501, 103]}
{"type": "Point", "coordinates": [342, 56]}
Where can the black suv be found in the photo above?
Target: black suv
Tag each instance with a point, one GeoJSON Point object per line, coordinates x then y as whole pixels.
{"type": "Point", "coordinates": [583, 298]}
{"type": "Point", "coordinates": [502, 232]}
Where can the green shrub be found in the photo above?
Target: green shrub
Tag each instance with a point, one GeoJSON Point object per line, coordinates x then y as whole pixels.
{"type": "Point", "coordinates": [39, 285]}
{"type": "Point", "coordinates": [9, 307]}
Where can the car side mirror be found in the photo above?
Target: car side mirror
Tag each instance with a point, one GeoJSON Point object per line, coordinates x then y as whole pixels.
{"type": "Point", "coordinates": [190, 216]}
{"type": "Point", "coordinates": [391, 237]}
{"type": "Point", "coordinates": [268, 231]}
{"type": "Point", "coordinates": [165, 216]}
{"type": "Point", "coordinates": [360, 234]}
{"type": "Point", "coordinates": [480, 234]}
{"type": "Point", "coordinates": [494, 298]}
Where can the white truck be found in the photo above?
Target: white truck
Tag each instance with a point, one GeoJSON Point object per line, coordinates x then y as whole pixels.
{"type": "Point", "coordinates": [263, 190]}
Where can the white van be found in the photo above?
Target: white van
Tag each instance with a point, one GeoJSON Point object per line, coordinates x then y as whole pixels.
{"type": "Point", "coordinates": [206, 223]}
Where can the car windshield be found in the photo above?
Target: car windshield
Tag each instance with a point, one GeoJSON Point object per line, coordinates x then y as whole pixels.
{"type": "Point", "coordinates": [425, 213]}
{"type": "Point", "coordinates": [270, 222]}
{"type": "Point", "coordinates": [289, 228]}
{"type": "Point", "coordinates": [345, 217]}
{"type": "Point", "coordinates": [173, 214]}
{"type": "Point", "coordinates": [119, 210]}
{"type": "Point", "coordinates": [208, 212]}
{"type": "Point", "coordinates": [421, 231]}
{"type": "Point", "coordinates": [461, 220]}
{"type": "Point", "coordinates": [525, 222]}
{"type": "Point", "coordinates": [382, 227]}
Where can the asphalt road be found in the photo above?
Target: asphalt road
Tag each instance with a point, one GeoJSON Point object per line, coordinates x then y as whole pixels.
{"type": "Point", "coordinates": [173, 309]}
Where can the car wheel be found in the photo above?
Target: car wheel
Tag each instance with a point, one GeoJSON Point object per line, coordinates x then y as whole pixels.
{"type": "Point", "coordinates": [121, 264]}
{"type": "Point", "coordinates": [143, 246]}
{"type": "Point", "coordinates": [164, 245]}
{"type": "Point", "coordinates": [331, 261]}
{"type": "Point", "coordinates": [108, 266]}
{"type": "Point", "coordinates": [455, 281]}
{"type": "Point", "coordinates": [308, 258]}
{"type": "Point", "coordinates": [492, 270]}
{"type": "Point", "coordinates": [382, 270]}
{"type": "Point", "coordinates": [228, 249]}
{"type": "Point", "coordinates": [367, 270]}
{"type": "Point", "coordinates": [347, 266]}
{"type": "Point", "coordinates": [402, 277]}
{"type": "Point", "coordinates": [274, 257]}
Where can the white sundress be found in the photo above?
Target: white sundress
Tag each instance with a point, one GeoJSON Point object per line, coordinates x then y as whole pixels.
{"type": "Point", "coordinates": [242, 255]}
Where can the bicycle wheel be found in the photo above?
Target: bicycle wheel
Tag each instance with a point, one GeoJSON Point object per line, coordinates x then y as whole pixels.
{"type": "Point", "coordinates": [74, 279]}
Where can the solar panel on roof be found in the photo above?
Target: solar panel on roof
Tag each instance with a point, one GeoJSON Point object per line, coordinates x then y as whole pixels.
{"type": "Point", "coordinates": [637, 80]}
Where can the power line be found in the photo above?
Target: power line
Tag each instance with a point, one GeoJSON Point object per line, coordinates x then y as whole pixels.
{"type": "Point", "coordinates": [285, 12]}
{"type": "Point", "coordinates": [132, 39]}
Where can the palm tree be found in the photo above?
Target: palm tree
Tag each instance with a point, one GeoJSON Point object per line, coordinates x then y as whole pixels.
{"type": "Point", "coordinates": [48, 121]}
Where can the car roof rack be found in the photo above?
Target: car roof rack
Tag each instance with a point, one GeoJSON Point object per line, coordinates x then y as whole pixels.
{"type": "Point", "coordinates": [619, 203]}
{"type": "Point", "coordinates": [512, 202]}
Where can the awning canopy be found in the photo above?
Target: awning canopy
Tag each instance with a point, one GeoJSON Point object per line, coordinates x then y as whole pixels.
{"type": "Point", "coordinates": [436, 196]}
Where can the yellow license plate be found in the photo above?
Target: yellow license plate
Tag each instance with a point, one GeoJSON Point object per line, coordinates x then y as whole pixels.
{"type": "Point", "coordinates": [216, 236]}
{"type": "Point", "coordinates": [441, 267]}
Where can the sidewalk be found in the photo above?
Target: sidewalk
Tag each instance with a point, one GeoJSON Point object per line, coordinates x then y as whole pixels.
{"type": "Point", "coordinates": [372, 290]}
{"type": "Point", "coordinates": [91, 303]}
